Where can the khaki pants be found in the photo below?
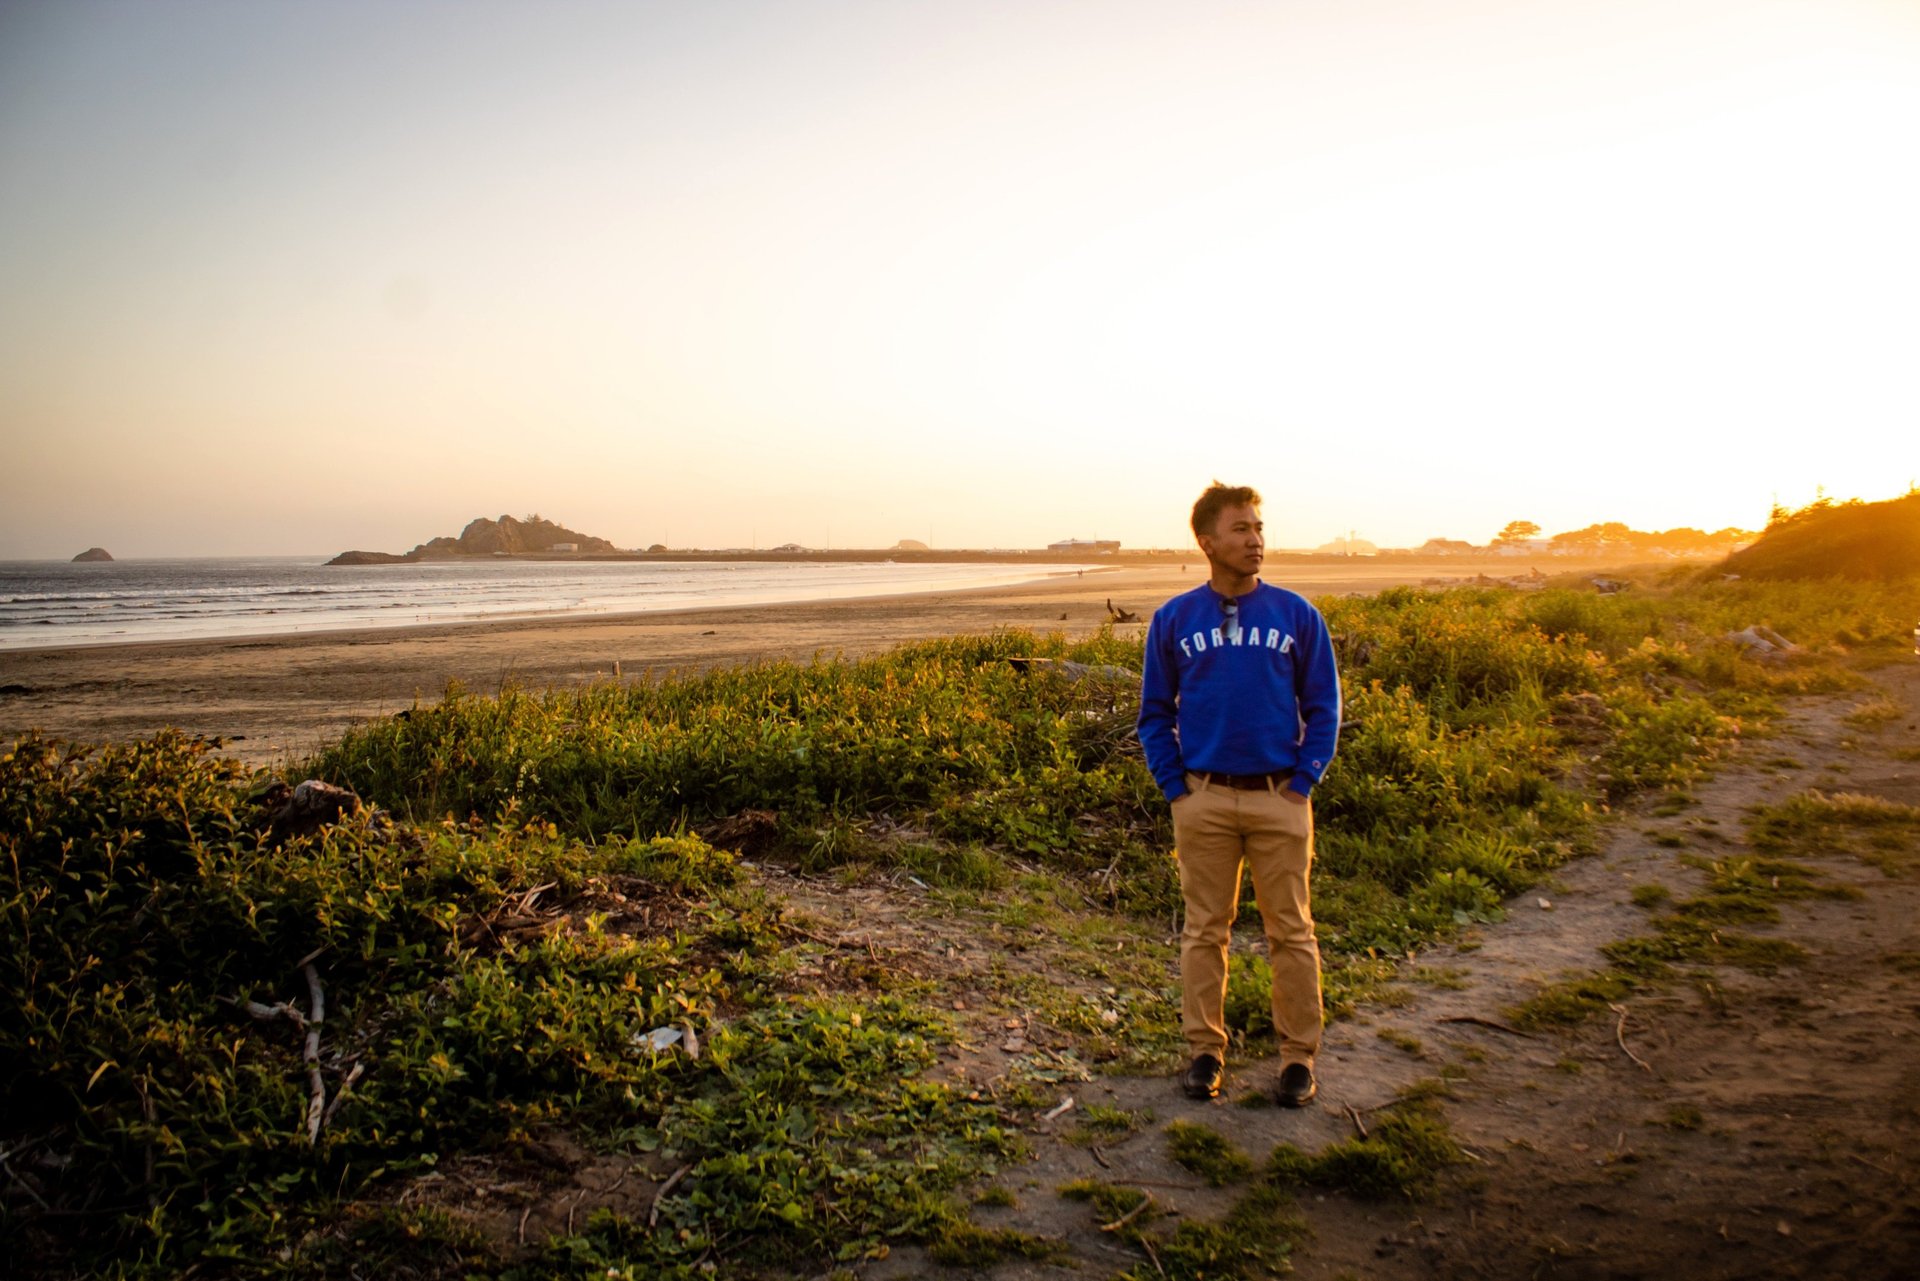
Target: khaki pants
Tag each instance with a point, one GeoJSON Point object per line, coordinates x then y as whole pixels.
{"type": "Point", "coordinates": [1216, 829]}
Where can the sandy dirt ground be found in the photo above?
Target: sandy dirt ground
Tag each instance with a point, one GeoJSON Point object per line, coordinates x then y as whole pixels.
{"type": "Point", "coordinates": [274, 697]}
{"type": "Point", "coordinates": [1723, 1124]}
{"type": "Point", "coordinates": [1770, 1127]}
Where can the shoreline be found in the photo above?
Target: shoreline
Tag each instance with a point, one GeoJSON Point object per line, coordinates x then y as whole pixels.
{"type": "Point", "coordinates": [555, 615]}
{"type": "Point", "coordinates": [280, 696]}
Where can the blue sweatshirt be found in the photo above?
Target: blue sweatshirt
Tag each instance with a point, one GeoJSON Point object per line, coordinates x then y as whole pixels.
{"type": "Point", "coordinates": [1261, 697]}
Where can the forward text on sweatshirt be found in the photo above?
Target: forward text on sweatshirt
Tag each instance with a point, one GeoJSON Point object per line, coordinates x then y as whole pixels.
{"type": "Point", "coordinates": [1248, 691]}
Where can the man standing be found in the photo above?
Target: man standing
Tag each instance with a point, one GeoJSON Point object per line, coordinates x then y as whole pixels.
{"type": "Point", "coordinates": [1239, 713]}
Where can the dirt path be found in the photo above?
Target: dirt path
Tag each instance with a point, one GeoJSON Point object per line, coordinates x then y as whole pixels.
{"type": "Point", "coordinates": [1770, 1133]}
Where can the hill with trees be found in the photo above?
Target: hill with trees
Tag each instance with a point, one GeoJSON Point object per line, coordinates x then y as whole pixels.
{"type": "Point", "coordinates": [1826, 539]}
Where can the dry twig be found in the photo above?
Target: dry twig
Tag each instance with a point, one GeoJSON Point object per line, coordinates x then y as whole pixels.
{"type": "Point", "coordinates": [21, 1183]}
{"type": "Point", "coordinates": [1146, 1199]}
{"type": "Point", "coordinates": [1620, 1035]}
{"type": "Point", "coordinates": [340, 1096]}
{"type": "Point", "coordinates": [653, 1213]}
{"type": "Point", "coordinates": [1358, 1124]}
{"type": "Point", "coordinates": [1495, 1024]}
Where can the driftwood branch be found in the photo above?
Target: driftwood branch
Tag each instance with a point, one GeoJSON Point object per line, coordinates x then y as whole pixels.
{"type": "Point", "coordinates": [317, 1105]}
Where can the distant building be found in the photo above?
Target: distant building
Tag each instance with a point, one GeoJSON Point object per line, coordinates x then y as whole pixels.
{"type": "Point", "coordinates": [789, 547]}
{"type": "Point", "coordinates": [564, 547]}
{"type": "Point", "coordinates": [1090, 546]}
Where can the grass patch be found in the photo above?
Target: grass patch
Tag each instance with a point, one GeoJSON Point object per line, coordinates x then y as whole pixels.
{"type": "Point", "coordinates": [1443, 977]}
{"type": "Point", "coordinates": [966, 1245]}
{"type": "Point", "coordinates": [1877, 831]}
{"type": "Point", "coordinates": [1401, 1041]}
{"type": "Point", "coordinates": [1876, 713]}
{"type": "Point", "coordinates": [1402, 1155]}
{"type": "Point", "coordinates": [1102, 1124]}
{"type": "Point", "coordinates": [1254, 1238]}
{"type": "Point", "coordinates": [1695, 931]}
{"type": "Point", "coordinates": [1207, 1153]}
{"type": "Point", "coordinates": [1109, 1200]}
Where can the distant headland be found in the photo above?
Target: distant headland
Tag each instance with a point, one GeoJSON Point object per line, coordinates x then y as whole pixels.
{"type": "Point", "coordinates": [533, 536]}
{"type": "Point", "coordinates": [92, 554]}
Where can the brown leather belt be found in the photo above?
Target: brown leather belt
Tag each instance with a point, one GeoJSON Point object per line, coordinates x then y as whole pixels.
{"type": "Point", "coordinates": [1246, 782]}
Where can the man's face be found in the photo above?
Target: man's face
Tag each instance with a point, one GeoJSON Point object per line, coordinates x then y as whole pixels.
{"type": "Point", "coordinates": [1238, 542]}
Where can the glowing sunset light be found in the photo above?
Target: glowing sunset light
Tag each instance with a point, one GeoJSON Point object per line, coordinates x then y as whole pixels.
{"type": "Point", "coordinates": [303, 277]}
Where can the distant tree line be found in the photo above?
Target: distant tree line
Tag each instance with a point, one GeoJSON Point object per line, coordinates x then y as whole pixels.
{"type": "Point", "coordinates": [1607, 538]}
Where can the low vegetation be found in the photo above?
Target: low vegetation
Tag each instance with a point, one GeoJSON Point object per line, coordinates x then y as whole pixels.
{"type": "Point", "coordinates": [233, 1054]}
{"type": "Point", "coordinates": [1401, 1155]}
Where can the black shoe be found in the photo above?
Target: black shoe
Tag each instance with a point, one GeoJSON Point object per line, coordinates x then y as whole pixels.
{"type": "Point", "coordinates": [1296, 1086]}
{"type": "Point", "coordinates": [1202, 1078]}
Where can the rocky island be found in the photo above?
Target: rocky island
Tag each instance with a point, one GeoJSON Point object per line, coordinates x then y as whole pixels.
{"type": "Point", "coordinates": [532, 536]}
{"type": "Point", "coordinates": [92, 554]}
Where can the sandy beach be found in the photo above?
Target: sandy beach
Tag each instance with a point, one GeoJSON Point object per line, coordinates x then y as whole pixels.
{"type": "Point", "coordinates": [271, 698]}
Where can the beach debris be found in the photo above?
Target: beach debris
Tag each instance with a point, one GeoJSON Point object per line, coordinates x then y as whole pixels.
{"type": "Point", "coordinates": [1762, 641]}
{"type": "Point", "coordinates": [1531, 581]}
{"type": "Point", "coordinates": [660, 1039]}
{"type": "Point", "coordinates": [305, 808]}
{"type": "Point", "coordinates": [1061, 1109]}
{"type": "Point", "coordinates": [1120, 615]}
{"type": "Point", "coordinates": [1071, 671]}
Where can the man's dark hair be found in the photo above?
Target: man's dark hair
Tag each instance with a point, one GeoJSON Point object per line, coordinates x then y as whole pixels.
{"type": "Point", "coordinates": [1218, 497]}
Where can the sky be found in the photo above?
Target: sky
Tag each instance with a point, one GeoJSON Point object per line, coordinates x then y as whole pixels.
{"type": "Point", "coordinates": [299, 277]}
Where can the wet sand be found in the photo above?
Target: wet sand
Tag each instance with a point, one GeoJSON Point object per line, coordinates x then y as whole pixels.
{"type": "Point", "coordinates": [275, 697]}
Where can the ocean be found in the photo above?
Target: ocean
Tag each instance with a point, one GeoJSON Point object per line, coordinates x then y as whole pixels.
{"type": "Point", "coordinates": [56, 603]}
